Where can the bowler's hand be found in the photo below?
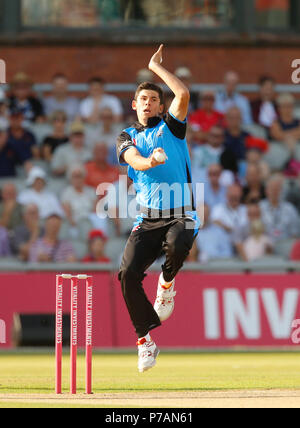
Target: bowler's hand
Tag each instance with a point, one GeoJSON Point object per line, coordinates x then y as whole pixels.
{"type": "Point", "coordinates": [156, 59]}
{"type": "Point", "coordinates": [152, 161]}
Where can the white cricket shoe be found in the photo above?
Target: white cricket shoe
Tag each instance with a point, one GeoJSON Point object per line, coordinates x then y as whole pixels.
{"type": "Point", "coordinates": [164, 304]}
{"type": "Point", "coordinates": [148, 352]}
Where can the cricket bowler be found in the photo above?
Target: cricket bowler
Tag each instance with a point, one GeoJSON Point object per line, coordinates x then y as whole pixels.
{"type": "Point", "coordinates": [156, 153]}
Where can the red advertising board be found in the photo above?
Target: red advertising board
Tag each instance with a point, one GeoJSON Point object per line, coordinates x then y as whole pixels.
{"type": "Point", "coordinates": [211, 311]}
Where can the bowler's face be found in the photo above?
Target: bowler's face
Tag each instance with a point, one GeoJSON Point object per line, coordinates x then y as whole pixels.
{"type": "Point", "coordinates": [147, 105]}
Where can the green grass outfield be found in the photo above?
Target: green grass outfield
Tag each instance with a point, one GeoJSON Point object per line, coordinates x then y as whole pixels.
{"type": "Point", "coordinates": [27, 374]}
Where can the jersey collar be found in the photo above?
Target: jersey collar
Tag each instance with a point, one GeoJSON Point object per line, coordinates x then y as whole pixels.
{"type": "Point", "coordinates": [152, 123]}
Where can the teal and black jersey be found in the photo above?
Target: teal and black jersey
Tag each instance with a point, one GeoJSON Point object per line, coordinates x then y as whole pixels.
{"type": "Point", "coordinates": [166, 188]}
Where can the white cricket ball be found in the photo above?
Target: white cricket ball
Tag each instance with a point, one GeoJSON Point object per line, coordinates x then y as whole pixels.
{"type": "Point", "coordinates": [160, 157]}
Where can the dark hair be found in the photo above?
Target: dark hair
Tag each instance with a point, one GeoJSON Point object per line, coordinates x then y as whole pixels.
{"type": "Point", "coordinates": [59, 76]}
{"type": "Point", "coordinates": [150, 87]}
{"type": "Point", "coordinates": [263, 79]}
{"type": "Point", "coordinates": [96, 79]}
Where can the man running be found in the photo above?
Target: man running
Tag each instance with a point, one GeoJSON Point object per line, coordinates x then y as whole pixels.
{"type": "Point", "coordinates": [168, 221]}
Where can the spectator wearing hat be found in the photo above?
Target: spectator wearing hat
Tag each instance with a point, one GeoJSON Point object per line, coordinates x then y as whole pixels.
{"type": "Point", "coordinates": [22, 140]}
{"type": "Point", "coordinates": [185, 75]}
{"type": "Point", "coordinates": [97, 241]}
{"type": "Point", "coordinates": [91, 107]}
{"type": "Point", "coordinates": [286, 128]}
{"type": "Point", "coordinates": [144, 75]}
{"type": "Point", "coordinates": [71, 153]}
{"type": "Point", "coordinates": [38, 194]}
{"type": "Point", "coordinates": [22, 98]}
{"type": "Point", "coordinates": [9, 158]}
{"type": "Point", "coordinates": [264, 108]}
{"type": "Point", "coordinates": [229, 97]}
{"type": "Point", "coordinates": [59, 99]}
{"type": "Point", "coordinates": [203, 119]}
{"type": "Point", "coordinates": [10, 209]}
{"type": "Point", "coordinates": [58, 137]}
{"type": "Point", "coordinates": [77, 199]}
{"type": "Point", "coordinates": [26, 233]}
{"type": "Point", "coordinates": [98, 170]}
{"type": "Point", "coordinates": [49, 248]}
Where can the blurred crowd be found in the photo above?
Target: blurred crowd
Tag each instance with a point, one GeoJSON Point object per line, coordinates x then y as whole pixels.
{"type": "Point", "coordinates": [56, 149]}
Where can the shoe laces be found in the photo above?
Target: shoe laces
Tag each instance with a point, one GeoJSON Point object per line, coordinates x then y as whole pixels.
{"type": "Point", "coordinates": [165, 298]}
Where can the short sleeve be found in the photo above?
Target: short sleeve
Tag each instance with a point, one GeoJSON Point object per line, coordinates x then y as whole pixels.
{"type": "Point", "coordinates": [124, 142]}
{"type": "Point", "coordinates": [176, 126]}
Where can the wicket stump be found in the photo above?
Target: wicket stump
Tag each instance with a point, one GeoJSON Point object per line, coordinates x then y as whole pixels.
{"type": "Point", "coordinates": [74, 331]}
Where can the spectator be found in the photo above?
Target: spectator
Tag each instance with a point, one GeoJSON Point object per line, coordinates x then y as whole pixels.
{"type": "Point", "coordinates": [235, 137]}
{"type": "Point", "coordinates": [210, 154]}
{"type": "Point", "coordinates": [10, 209]}
{"type": "Point", "coordinates": [185, 75]}
{"type": "Point", "coordinates": [264, 107]}
{"type": "Point", "coordinates": [119, 205]}
{"type": "Point", "coordinates": [38, 195]}
{"type": "Point", "coordinates": [295, 253]}
{"type": "Point", "coordinates": [255, 157]}
{"type": "Point", "coordinates": [212, 242]}
{"type": "Point", "coordinates": [241, 234]}
{"type": "Point", "coordinates": [9, 158]}
{"type": "Point", "coordinates": [49, 248]}
{"type": "Point", "coordinates": [144, 75]}
{"type": "Point", "coordinates": [91, 107]}
{"type": "Point", "coordinates": [59, 100]}
{"type": "Point", "coordinates": [231, 215]}
{"type": "Point", "coordinates": [22, 140]}
{"type": "Point", "coordinates": [99, 170]}
{"type": "Point", "coordinates": [280, 218]}
{"type": "Point", "coordinates": [77, 199]}
{"type": "Point", "coordinates": [229, 97]}
{"type": "Point", "coordinates": [22, 98]}
{"type": "Point", "coordinates": [286, 128]}
{"type": "Point", "coordinates": [203, 119]}
{"type": "Point", "coordinates": [215, 192]}
{"type": "Point", "coordinates": [4, 243]}
{"type": "Point", "coordinates": [107, 129]}
{"type": "Point", "coordinates": [97, 241]}
{"type": "Point", "coordinates": [25, 234]}
{"type": "Point", "coordinates": [58, 137]}
{"type": "Point", "coordinates": [234, 155]}
{"type": "Point", "coordinates": [254, 189]}
{"type": "Point", "coordinates": [71, 153]}
{"type": "Point", "coordinates": [258, 244]}
{"type": "Point", "coordinates": [207, 154]}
